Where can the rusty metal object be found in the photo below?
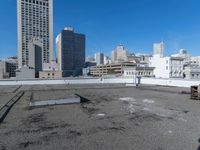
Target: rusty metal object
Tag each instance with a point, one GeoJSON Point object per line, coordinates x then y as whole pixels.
{"type": "Point", "coordinates": [195, 94]}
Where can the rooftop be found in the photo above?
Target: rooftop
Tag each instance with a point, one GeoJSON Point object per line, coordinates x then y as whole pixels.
{"type": "Point", "coordinates": [117, 117]}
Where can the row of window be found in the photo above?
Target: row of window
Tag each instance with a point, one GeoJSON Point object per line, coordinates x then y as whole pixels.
{"type": "Point", "coordinates": [38, 33]}
{"type": "Point", "coordinates": [195, 76]}
{"type": "Point", "coordinates": [139, 73]}
{"type": "Point", "coordinates": [37, 23]}
{"type": "Point", "coordinates": [176, 74]}
{"type": "Point", "coordinates": [36, 2]}
{"type": "Point", "coordinates": [33, 16]}
{"type": "Point", "coordinates": [34, 9]}
{"type": "Point", "coordinates": [174, 62]}
{"type": "Point", "coordinates": [177, 62]}
{"type": "Point", "coordinates": [174, 68]}
{"type": "Point", "coordinates": [35, 13]}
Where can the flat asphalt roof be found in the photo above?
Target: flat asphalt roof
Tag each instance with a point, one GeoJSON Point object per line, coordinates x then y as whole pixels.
{"type": "Point", "coordinates": [116, 118]}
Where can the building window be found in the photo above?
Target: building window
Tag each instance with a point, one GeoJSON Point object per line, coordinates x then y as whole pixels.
{"type": "Point", "coordinates": [192, 75]}
{"type": "Point", "coordinates": [167, 68]}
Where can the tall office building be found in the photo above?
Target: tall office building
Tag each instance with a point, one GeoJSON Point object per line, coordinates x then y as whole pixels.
{"type": "Point", "coordinates": [99, 58]}
{"type": "Point", "coordinates": [120, 54]}
{"type": "Point", "coordinates": [35, 20]}
{"type": "Point", "coordinates": [158, 49]}
{"type": "Point", "coordinates": [70, 49]}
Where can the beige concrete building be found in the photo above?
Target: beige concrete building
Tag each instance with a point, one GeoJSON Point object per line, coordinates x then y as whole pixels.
{"type": "Point", "coordinates": [50, 74]}
{"type": "Point", "coordinates": [120, 54]}
{"type": "Point", "coordinates": [50, 71]}
{"type": "Point", "coordinates": [53, 66]}
{"type": "Point", "coordinates": [110, 69]}
{"type": "Point", "coordinates": [133, 59]}
{"type": "Point", "coordinates": [35, 20]}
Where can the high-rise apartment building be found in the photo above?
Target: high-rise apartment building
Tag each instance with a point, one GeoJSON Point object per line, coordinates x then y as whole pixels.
{"type": "Point", "coordinates": [70, 49]}
{"type": "Point", "coordinates": [35, 20]}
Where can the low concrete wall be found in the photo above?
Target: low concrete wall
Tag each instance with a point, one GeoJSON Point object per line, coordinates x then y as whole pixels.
{"type": "Point", "coordinates": [150, 81]}
{"type": "Point", "coordinates": [170, 82]}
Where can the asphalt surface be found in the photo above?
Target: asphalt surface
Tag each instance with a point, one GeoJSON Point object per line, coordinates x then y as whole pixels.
{"type": "Point", "coordinates": [6, 93]}
{"type": "Point", "coordinates": [116, 118]}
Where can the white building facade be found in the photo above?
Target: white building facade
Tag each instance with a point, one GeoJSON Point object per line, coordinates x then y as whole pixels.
{"type": "Point", "coordinates": [195, 60]}
{"type": "Point", "coordinates": [139, 71]}
{"type": "Point", "coordinates": [192, 72]}
{"type": "Point", "coordinates": [167, 67]}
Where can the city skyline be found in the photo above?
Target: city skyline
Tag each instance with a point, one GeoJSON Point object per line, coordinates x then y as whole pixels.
{"type": "Point", "coordinates": [136, 24]}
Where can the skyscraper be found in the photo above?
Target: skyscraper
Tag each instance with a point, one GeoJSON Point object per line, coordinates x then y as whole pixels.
{"type": "Point", "coordinates": [158, 49]}
{"type": "Point", "coordinates": [99, 58]}
{"type": "Point", "coordinates": [35, 20]}
{"type": "Point", "coordinates": [70, 49]}
{"type": "Point", "coordinates": [120, 54]}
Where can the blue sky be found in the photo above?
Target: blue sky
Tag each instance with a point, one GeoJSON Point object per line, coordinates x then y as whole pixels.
{"type": "Point", "coordinates": [135, 23]}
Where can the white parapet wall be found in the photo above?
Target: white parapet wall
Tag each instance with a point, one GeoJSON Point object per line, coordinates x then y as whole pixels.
{"type": "Point", "coordinates": [170, 82]}
{"type": "Point", "coordinates": [114, 80]}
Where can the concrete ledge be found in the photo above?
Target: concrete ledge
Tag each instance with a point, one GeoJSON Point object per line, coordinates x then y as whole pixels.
{"type": "Point", "coordinates": [116, 80]}
{"type": "Point", "coordinates": [132, 85]}
{"type": "Point", "coordinates": [55, 102]}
